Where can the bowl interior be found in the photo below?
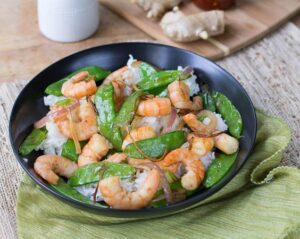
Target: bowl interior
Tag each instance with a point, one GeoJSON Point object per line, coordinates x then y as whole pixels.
{"type": "Point", "coordinates": [29, 107]}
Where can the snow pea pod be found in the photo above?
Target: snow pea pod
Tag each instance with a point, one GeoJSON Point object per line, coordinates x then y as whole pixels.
{"type": "Point", "coordinates": [64, 102]}
{"type": "Point", "coordinates": [229, 113]}
{"type": "Point", "coordinates": [104, 102]}
{"type": "Point", "coordinates": [146, 71]}
{"type": "Point", "coordinates": [94, 172]}
{"type": "Point", "coordinates": [156, 81]}
{"type": "Point", "coordinates": [33, 140]}
{"type": "Point", "coordinates": [218, 169]}
{"type": "Point", "coordinates": [163, 203]}
{"type": "Point", "coordinates": [156, 146]}
{"type": "Point", "coordinates": [208, 101]}
{"type": "Point", "coordinates": [98, 72]}
{"type": "Point", "coordinates": [70, 192]}
{"type": "Point", "coordinates": [127, 111]}
{"type": "Point", "coordinates": [69, 149]}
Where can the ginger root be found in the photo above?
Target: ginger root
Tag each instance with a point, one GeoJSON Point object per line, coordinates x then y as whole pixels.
{"type": "Point", "coordinates": [156, 8]}
{"type": "Point", "coordinates": [182, 28]}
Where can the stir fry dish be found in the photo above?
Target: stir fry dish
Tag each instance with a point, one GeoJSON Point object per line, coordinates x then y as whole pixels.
{"type": "Point", "coordinates": [137, 137]}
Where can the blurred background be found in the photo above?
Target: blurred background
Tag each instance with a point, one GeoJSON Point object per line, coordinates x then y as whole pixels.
{"type": "Point", "coordinates": [25, 51]}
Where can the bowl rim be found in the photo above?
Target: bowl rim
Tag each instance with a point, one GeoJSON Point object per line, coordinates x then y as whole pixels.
{"type": "Point", "coordinates": [138, 213]}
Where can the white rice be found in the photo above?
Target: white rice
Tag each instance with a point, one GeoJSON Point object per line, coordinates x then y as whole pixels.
{"type": "Point", "coordinates": [221, 125]}
{"type": "Point", "coordinates": [152, 121]}
{"type": "Point", "coordinates": [50, 100]}
{"type": "Point", "coordinates": [132, 75]}
{"type": "Point", "coordinates": [206, 121]}
{"type": "Point", "coordinates": [207, 159]}
{"type": "Point", "coordinates": [191, 83]}
{"type": "Point", "coordinates": [130, 61]}
{"type": "Point", "coordinates": [88, 191]}
{"type": "Point", "coordinates": [186, 145]}
{"type": "Point", "coordinates": [54, 141]}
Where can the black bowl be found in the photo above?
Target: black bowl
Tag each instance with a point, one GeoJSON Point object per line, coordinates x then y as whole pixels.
{"type": "Point", "coordinates": [29, 107]}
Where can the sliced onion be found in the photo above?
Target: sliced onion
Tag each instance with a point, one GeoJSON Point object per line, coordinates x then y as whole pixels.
{"type": "Point", "coordinates": [165, 185]}
{"type": "Point", "coordinates": [171, 121]}
{"type": "Point", "coordinates": [188, 70]}
{"type": "Point", "coordinates": [214, 134]}
{"type": "Point", "coordinates": [42, 122]}
{"type": "Point", "coordinates": [74, 133]}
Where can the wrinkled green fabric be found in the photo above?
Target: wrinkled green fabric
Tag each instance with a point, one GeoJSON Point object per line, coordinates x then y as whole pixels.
{"type": "Point", "coordinates": [262, 201]}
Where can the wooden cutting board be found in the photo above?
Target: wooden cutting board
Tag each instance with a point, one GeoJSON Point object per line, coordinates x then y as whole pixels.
{"type": "Point", "coordinates": [247, 22]}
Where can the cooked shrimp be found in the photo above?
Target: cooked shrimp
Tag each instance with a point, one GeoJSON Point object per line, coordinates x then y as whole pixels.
{"type": "Point", "coordinates": [50, 166]}
{"type": "Point", "coordinates": [117, 75]}
{"type": "Point", "coordinates": [200, 145]}
{"type": "Point", "coordinates": [154, 107]}
{"type": "Point", "coordinates": [197, 126]}
{"type": "Point", "coordinates": [94, 150]}
{"type": "Point", "coordinates": [197, 103]}
{"type": "Point", "coordinates": [123, 74]}
{"type": "Point", "coordinates": [137, 134]}
{"type": "Point", "coordinates": [80, 85]}
{"type": "Point", "coordinates": [117, 197]}
{"type": "Point", "coordinates": [116, 158]}
{"type": "Point", "coordinates": [193, 166]}
{"type": "Point", "coordinates": [226, 143]}
{"type": "Point", "coordinates": [56, 107]}
{"type": "Point", "coordinates": [121, 157]}
{"type": "Point", "coordinates": [85, 122]}
{"type": "Point", "coordinates": [179, 94]}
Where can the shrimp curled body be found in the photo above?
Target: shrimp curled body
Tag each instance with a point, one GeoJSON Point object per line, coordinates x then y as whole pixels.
{"type": "Point", "coordinates": [78, 86]}
{"type": "Point", "coordinates": [179, 94]}
{"type": "Point", "coordinates": [197, 126]}
{"type": "Point", "coordinates": [117, 197]}
{"type": "Point", "coordinates": [200, 145]}
{"type": "Point", "coordinates": [85, 123]}
{"type": "Point", "coordinates": [137, 134]}
{"type": "Point", "coordinates": [154, 107]}
{"type": "Point", "coordinates": [50, 166]}
{"type": "Point", "coordinates": [94, 150]}
{"type": "Point", "coordinates": [226, 143]}
{"type": "Point", "coordinates": [193, 166]}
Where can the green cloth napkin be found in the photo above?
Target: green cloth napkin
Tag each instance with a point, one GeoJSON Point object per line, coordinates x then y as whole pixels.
{"type": "Point", "coordinates": [262, 201]}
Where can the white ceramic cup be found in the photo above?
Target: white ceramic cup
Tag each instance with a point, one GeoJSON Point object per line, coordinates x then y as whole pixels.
{"type": "Point", "coordinates": [68, 20]}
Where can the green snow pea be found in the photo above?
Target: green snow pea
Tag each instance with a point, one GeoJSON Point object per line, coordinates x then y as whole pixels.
{"type": "Point", "coordinates": [33, 140]}
{"type": "Point", "coordinates": [104, 102]}
{"type": "Point", "coordinates": [127, 111]}
{"type": "Point", "coordinates": [171, 178]}
{"type": "Point", "coordinates": [64, 102]}
{"type": "Point", "coordinates": [208, 101]}
{"type": "Point", "coordinates": [156, 146]}
{"type": "Point", "coordinates": [98, 72]}
{"type": "Point", "coordinates": [218, 169]}
{"type": "Point", "coordinates": [155, 83]}
{"type": "Point", "coordinates": [69, 149]}
{"type": "Point", "coordinates": [163, 203]}
{"type": "Point", "coordinates": [146, 71]}
{"type": "Point", "coordinates": [230, 114]}
{"type": "Point", "coordinates": [70, 192]}
{"type": "Point", "coordinates": [94, 172]}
